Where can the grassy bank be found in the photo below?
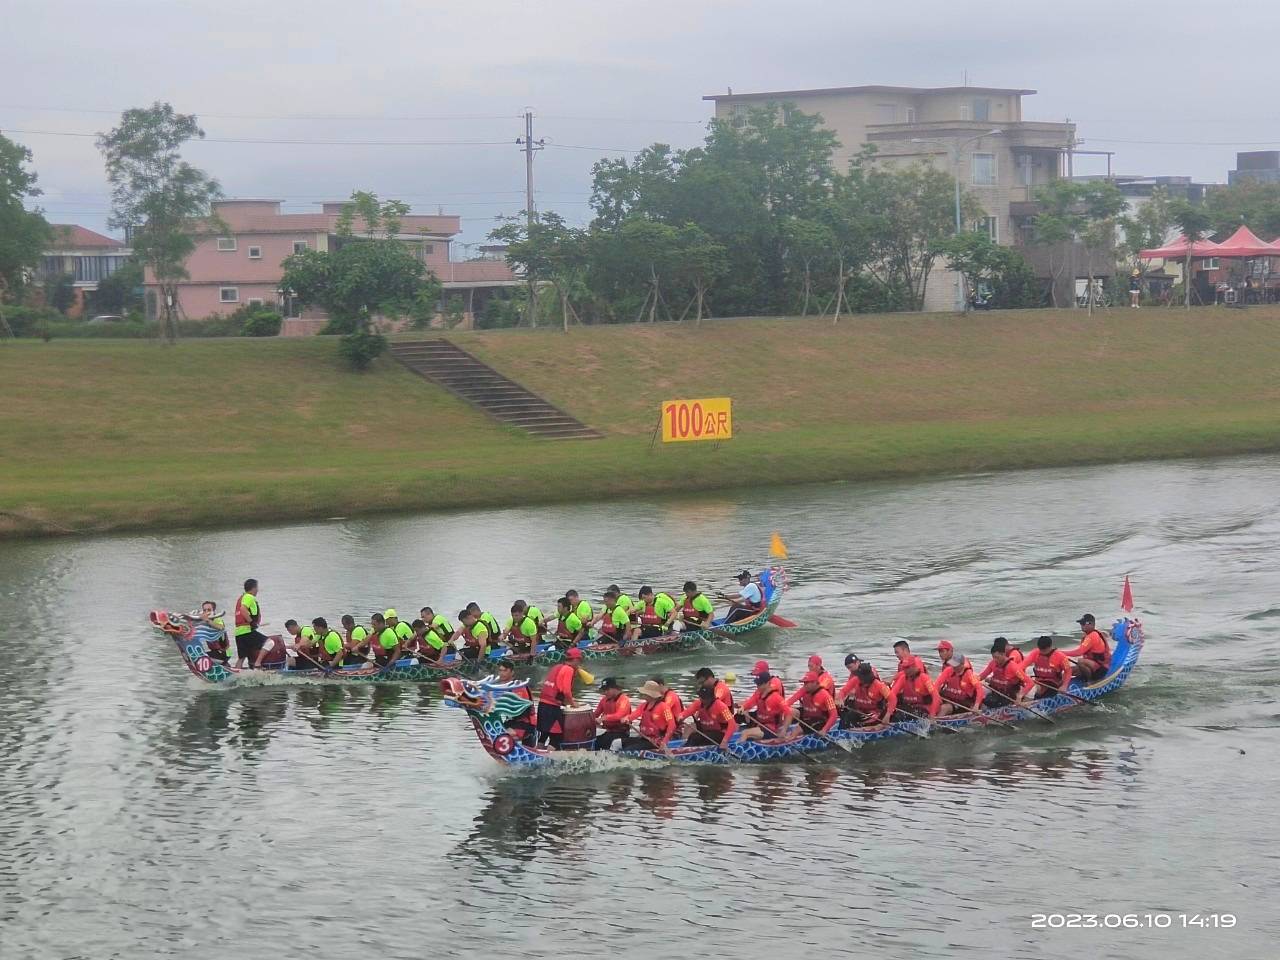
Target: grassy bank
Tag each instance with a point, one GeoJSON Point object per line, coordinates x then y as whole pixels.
{"type": "Point", "coordinates": [111, 435]}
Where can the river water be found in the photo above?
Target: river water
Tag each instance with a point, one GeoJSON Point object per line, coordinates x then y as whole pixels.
{"type": "Point", "coordinates": [145, 815]}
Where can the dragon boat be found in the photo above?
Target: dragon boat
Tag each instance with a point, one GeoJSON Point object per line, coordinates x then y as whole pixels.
{"type": "Point", "coordinates": [193, 637]}
{"type": "Point", "coordinates": [492, 705]}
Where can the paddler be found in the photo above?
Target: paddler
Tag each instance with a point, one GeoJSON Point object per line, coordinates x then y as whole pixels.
{"type": "Point", "coordinates": [852, 662]}
{"type": "Point", "coordinates": [218, 649]}
{"type": "Point", "coordinates": [435, 641]}
{"type": "Point", "coordinates": [557, 693]}
{"type": "Point", "coordinates": [825, 679]}
{"type": "Point", "coordinates": [760, 669]}
{"type": "Point", "coordinates": [248, 616]}
{"type": "Point", "coordinates": [1049, 666]}
{"type": "Point", "coordinates": [523, 727]}
{"type": "Point", "coordinates": [669, 696]}
{"type": "Point", "coordinates": [866, 700]}
{"type": "Point", "coordinates": [696, 611]}
{"type": "Point", "coordinates": [1004, 674]}
{"type": "Point", "coordinates": [522, 631]}
{"type": "Point", "coordinates": [902, 650]}
{"type": "Point", "coordinates": [772, 717]}
{"type": "Point", "coordinates": [571, 629]}
{"type": "Point", "coordinates": [403, 630]}
{"type": "Point", "coordinates": [356, 644]}
{"type": "Point", "coordinates": [655, 613]}
{"type": "Point", "coordinates": [707, 680]}
{"type": "Point", "coordinates": [657, 724]}
{"type": "Point", "coordinates": [386, 648]}
{"type": "Point", "coordinates": [305, 648]}
{"type": "Point", "coordinates": [615, 620]}
{"type": "Point", "coordinates": [958, 686]}
{"type": "Point", "coordinates": [488, 619]}
{"type": "Point", "coordinates": [581, 607]}
{"type": "Point", "coordinates": [813, 706]}
{"type": "Point", "coordinates": [331, 641]}
{"type": "Point", "coordinates": [747, 602]}
{"type": "Point", "coordinates": [474, 634]}
{"type": "Point", "coordinates": [712, 722]}
{"type": "Point", "coordinates": [1094, 652]}
{"type": "Point", "coordinates": [914, 690]}
{"type": "Point", "coordinates": [613, 713]}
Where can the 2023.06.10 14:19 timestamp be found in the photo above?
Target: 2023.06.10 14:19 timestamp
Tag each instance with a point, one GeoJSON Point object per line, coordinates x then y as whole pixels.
{"type": "Point", "coordinates": [1159, 920]}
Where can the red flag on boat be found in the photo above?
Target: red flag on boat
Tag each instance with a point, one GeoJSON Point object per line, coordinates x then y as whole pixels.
{"type": "Point", "coordinates": [1126, 596]}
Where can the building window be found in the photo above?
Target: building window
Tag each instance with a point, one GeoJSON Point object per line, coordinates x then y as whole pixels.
{"type": "Point", "coordinates": [911, 114]}
{"type": "Point", "coordinates": [984, 169]}
{"type": "Point", "coordinates": [299, 246]}
{"type": "Point", "coordinates": [1209, 263]}
{"type": "Point", "coordinates": [229, 294]}
{"type": "Point", "coordinates": [982, 110]}
{"type": "Point", "coordinates": [226, 243]}
{"type": "Point", "coordinates": [988, 225]}
{"type": "Point", "coordinates": [255, 253]}
{"type": "Point", "coordinates": [254, 301]}
{"type": "Point", "coordinates": [1026, 169]}
{"type": "Point", "coordinates": [886, 113]}
{"type": "Point", "coordinates": [966, 111]}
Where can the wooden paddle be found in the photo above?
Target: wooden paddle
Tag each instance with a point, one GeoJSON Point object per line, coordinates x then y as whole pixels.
{"type": "Point", "coordinates": [1068, 693]}
{"type": "Point", "coordinates": [1020, 706]}
{"type": "Point", "coordinates": [776, 736]}
{"type": "Point", "coordinates": [846, 747]}
{"type": "Point", "coordinates": [977, 713]}
{"type": "Point", "coordinates": [927, 720]}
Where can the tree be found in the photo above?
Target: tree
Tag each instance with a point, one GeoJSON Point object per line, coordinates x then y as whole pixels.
{"type": "Point", "coordinates": [1084, 212]}
{"type": "Point", "coordinates": [909, 214]}
{"type": "Point", "coordinates": [24, 234]}
{"type": "Point", "coordinates": [806, 244]}
{"type": "Point", "coordinates": [1194, 222]}
{"type": "Point", "coordinates": [60, 292]}
{"type": "Point", "coordinates": [363, 276]}
{"type": "Point", "coordinates": [699, 261]}
{"type": "Point", "coordinates": [551, 249]}
{"type": "Point", "coordinates": [1146, 228]}
{"type": "Point", "coordinates": [1251, 202]}
{"type": "Point", "coordinates": [164, 201]}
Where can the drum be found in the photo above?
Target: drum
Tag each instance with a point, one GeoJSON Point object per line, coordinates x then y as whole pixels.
{"type": "Point", "coordinates": [579, 728]}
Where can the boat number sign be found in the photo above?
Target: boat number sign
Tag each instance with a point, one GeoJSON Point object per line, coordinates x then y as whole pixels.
{"type": "Point", "coordinates": [707, 419]}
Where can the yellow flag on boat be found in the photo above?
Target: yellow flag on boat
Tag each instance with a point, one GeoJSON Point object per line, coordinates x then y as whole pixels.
{"type": "Point", "coordinates": [777, 548]}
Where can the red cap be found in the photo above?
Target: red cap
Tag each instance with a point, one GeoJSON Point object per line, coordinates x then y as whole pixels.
{"type": "Point", "coordinates": [762, 666]}
{"type": "Point", "coordinates": [815, 661]}
{"type": "Point", "coordinates": [574, 654]}
{"type": "Point", "coordinates": [945, 645]}
{"type": "Point", "coordinates": [811, 677]}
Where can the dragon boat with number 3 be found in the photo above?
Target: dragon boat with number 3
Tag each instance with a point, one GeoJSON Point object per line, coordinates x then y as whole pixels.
{"type": "Point", "coordinates": [193, 637]}
{"type": "Point", "coordinates": [492, 706]}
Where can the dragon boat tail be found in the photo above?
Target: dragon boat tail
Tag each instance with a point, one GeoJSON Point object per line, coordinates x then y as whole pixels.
{"type": "Point", "coordinates": [196, 640]}
{"type": "Point", "coordinates": [492, 706]}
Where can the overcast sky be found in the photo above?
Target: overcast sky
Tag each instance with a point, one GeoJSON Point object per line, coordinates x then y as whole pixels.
{"type": "Point", "coordinates": [602, 77]}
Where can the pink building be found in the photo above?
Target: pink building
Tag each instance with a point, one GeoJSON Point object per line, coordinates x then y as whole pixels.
{"type": "Point", "coordinates": [244, 266]}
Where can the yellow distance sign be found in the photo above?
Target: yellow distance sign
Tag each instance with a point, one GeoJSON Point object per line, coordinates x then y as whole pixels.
{"type": "Point", "coordinates": [707, 419]}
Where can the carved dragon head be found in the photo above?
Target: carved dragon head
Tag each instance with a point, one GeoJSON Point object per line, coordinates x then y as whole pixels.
{"type": "Point", "coordinates": [489, 698]}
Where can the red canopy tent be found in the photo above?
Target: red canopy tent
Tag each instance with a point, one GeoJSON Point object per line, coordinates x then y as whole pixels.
{"type": "Point", "coordinates": [1245, 244]}
{"type": "Point", "coordinates": [1177, 250]}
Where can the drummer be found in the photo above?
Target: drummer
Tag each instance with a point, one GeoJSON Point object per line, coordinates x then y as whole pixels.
{"type": "Point", "coordinates": [611, 712]}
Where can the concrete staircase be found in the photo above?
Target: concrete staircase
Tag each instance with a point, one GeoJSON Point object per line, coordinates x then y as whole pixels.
{"type": "Point", "coordinates": [444, 363]}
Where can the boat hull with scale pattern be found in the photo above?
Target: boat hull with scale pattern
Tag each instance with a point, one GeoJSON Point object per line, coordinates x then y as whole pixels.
{"type": "Point", "coordinates": [490, 705]}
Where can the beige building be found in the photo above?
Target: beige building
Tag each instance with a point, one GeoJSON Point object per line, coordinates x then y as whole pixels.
{"type": "Point", "coordinates": [975, 133]}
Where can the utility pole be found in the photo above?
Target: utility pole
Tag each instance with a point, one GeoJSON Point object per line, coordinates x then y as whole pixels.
{"type": "Point", "coordinates": [530, 145]}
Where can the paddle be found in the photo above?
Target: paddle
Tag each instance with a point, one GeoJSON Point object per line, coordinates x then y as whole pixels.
{"type": "Point", "coordinates": [783, 622]}
{"type": "Point", "coordinates": [1068, 693]}
{"type": "Point", "coordinates": [326, 670]}
{"type": "Point", "coordinates": [882, 723]}
{"type": "Point", "coordinates": [846, 747]}
{"type": "Point", "coordinates": [977, 713]}
{"type": "Point", "coordinates": [926, 720]}
{"type": "Point", "coordinates": [776, 736]}
{"type": "Point", "coordinates": [1020, 706]}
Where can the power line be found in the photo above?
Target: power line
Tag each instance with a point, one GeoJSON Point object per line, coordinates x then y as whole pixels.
{"type": "Point", "coordinates": [297, 142]}
{"type": "Point", "coordinates": [367, 117]}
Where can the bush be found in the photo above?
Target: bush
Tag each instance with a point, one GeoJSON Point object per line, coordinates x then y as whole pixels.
{"type": "Point", "coordinates": [73, 330]}
{"type": "Point", "coordinates": [500, 310]}
{"type": "Point", "coordinates": [60, 292]}
{"type": "Point", "coordinates": [262, 322]}
{"type": "Point", "coordinates": [26, 321]}
{"type": "Point", "coordinates": [215, 326]}
{"type": "Point", "coordinates": [361, 348]}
